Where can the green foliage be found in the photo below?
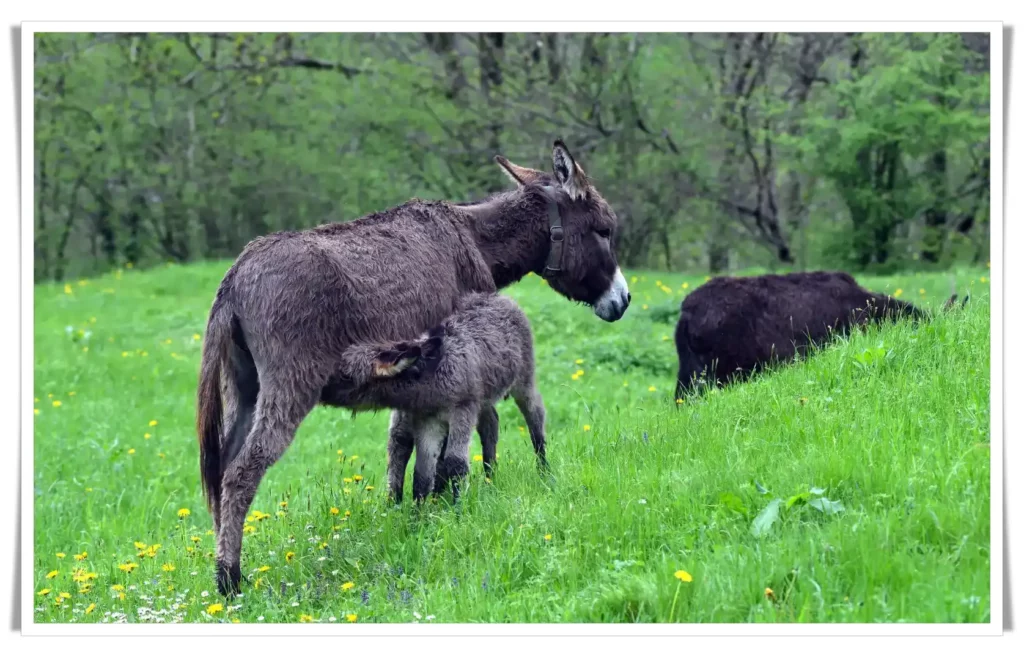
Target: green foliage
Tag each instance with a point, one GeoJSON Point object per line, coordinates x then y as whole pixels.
{"type": "Point", "coordinates": [716, 151]}
{"type": "Point", "coordinates": [888, 469]}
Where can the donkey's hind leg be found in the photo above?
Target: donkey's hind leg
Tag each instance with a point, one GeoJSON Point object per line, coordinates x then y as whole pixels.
{"type": "Point", "coordinates": [487, 427]}
{"type": "Point", "coordinates": [239, 391]}
{"type": "Point", "coordinates": [279, 412]}
{"type": "Point", "coordinates": [430, 435]}
{"type": "Point", "coordinates": [531, 405]}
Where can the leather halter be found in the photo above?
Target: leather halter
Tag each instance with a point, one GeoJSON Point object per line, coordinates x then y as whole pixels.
{"type": "Point", "coordinates": [554, 263]}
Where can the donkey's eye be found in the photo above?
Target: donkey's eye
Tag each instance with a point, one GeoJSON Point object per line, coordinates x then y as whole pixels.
{"type": "Point", "coordinates": [605, 233]}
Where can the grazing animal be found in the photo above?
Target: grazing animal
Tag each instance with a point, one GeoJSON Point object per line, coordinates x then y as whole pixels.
{"type": "Point", "coordinates": [443, 384]}
{"type": "Point", "coordinates": [293, 302]}
{"type": "Point", "coordinates": [730, 327]}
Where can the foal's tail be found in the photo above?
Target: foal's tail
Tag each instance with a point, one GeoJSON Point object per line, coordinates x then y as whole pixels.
{"type": "Point", "coordinates": [364, 362]}
{"type": "Point", "coordinates": [209, 406]}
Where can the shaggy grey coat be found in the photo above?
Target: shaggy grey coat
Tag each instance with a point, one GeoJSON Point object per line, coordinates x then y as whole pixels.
{"type": "Point", "coordinates": [443, 384]}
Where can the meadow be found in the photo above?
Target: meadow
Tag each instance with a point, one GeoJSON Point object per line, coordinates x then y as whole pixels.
{"type": "Point", "coordinates": [852, 486]}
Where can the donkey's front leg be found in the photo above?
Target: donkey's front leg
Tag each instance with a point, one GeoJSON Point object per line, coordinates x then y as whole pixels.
{"type": "Point", "coordinates": [461, 422]}
{"type": "Point", "coordinates": [401, 440]}
{"type": "Point", "coordinates": [429, 436]}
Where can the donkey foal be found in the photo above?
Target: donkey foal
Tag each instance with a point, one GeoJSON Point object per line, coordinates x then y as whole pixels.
{"type": "Point", "coordinates": [444, 384]}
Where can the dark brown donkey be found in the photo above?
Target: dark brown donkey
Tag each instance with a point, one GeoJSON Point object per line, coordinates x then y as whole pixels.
{"type": "Point", "coordinates": [293, 302]}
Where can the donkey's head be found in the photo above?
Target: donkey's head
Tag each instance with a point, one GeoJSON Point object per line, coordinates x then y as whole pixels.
{"type": "Point", "coordinates": [581, 264]}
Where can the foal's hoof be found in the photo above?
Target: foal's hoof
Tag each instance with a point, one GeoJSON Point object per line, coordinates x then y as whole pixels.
{"type": "Point", "coordinates": [229, 579]}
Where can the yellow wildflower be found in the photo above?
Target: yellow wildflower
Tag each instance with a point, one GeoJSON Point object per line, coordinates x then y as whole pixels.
{"type": "Point", "coordinates": [357, 477]}
{"type": "Point", "coordinates": [44, 592]}
{"type": "Point", "coordinates": [67, 288]}
{"type": "Point", "coordinates": [683, 576]}
{"type": "Point", "coordinates": [283, 504]}
{"type": "Point", "coordinates": [81, 557]}
{"type": "Point", "coordinates": [153, 423]}
{"type": "Point", "coordinates": [63, 595]}
{"type": "Point", "coordinates": [52, 574]}
{"type": "Point", "coordinates": [586, 427]}
{"type": "Point", "coordinates": [90, 608]}
{"type": "Point", "coordinates": [167, 567]}
{"type": "Point", "coordinates": [477, 458]}
{"type": "Point", "coordinates": [146, 436]}
{"type": "Point", "coordinates": [263, 569]}
{"type": "Point", "coordinates": [686, 286]}
{"type": "Point", "coordinates": [651, 389]}
{"type": "Point", "coordinates": [35, 411]}
{"type": "Point", "coordinates": [196, 336]}
{"type": "Point", "coordinates": [61, 555]}
{"type": "Point", "coordinates": [898, 292]}
{"type": "Point", "coordinates": [184, 513]}
{"type": "Point", "coordinates": [248, 529]}
{"type": "Point", "coordinates": [351, 618]}
{"type": "Point", "coordinates": [216, 607]}
{"type": "Point", "coordinates": [305, 618]}
{"type": "Point", "coordinates": [347, 585]}
{"type": "Point", "coordinates": [547, 537]}
{"type": "Point", "coordinates": [768, 593]}
{"type": "Point", "coordinates": [127, 567]}
{"type": "Point", "coordinates": [983, 279]}
{"type": "Point", "coordinates": [643, 307]}
{"type": "Point", "coordinates": [369, 488]}
{"type": "Point", "coordinates": [131, 451]}
{"type": "Point", "coordinates": [117, 587]}
{"type": "Point", "coordinates": [57, 403]}
{"type": "Point", "coordinates": [288, 556]}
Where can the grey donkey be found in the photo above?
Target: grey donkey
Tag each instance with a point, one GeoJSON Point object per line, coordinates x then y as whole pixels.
{"type": "Point", "coordinates": [444, 384]}
{"type": "Point", "coordinates": [294, 301]}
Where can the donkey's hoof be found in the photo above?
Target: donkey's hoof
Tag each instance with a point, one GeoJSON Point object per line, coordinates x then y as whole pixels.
{"type": "Point", "coordinates": [229, 579]}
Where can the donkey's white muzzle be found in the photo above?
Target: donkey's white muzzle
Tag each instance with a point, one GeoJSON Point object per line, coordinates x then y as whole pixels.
{"type": "Point", "coordinates": [613, 303]}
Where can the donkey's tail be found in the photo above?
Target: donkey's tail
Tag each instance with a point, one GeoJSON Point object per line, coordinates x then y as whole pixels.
{"type": "Point", "coordinates": [209, 406]}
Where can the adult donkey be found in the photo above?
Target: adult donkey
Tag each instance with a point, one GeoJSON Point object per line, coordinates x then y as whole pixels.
{"type": "Point", "coordinates": [292, 303]}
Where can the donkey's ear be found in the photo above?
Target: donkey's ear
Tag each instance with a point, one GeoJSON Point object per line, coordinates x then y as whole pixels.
{"type": "Point", "coordinates": [569, 174]}
{"type": "Point", "coordinates": [517, 174]}
{"type": "Point", "coordinates": [395, 360]}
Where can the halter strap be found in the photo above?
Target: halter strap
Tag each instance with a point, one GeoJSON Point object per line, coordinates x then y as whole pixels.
{"type": "Point", "coordinates": [554, 263]}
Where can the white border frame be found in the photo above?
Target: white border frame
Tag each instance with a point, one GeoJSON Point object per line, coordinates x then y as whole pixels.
{"type": "Point", "coordinates": [996, 557]}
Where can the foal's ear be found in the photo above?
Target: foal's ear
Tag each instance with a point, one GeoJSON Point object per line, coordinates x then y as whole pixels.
{"type": "Point", "coordinates": [569, 174]}
{"type": "Point", "coordinates": [517, 174]}
{"type": "Point", "coordinates": [395, 360]}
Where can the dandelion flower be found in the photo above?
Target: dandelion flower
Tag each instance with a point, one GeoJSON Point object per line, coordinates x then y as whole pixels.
{"type": "Point", "coordinates": [196, 336]}
{"type": "Point", "coordinates": [477, 458]}
{"type": "Point", "coordinates": [898, 292]}
{"type": "Point", "coordinates": [921, 291]}
{"type": "Point", "coordinates": [347, 513]}
{"type": "Point", "coordinates": [196, 539]}
{"type": "Point", "coordinates": [248, 529]}
{"type": "Point", "coordinates": [351, 617]}
{"type": "Point", "coordinates": [347, 480]}
{"type": "Point", "coordinates": [146, 436]}
{"type": "Point", "coordinates": [216, 607]}
{"type": "Point", "coordinates": [547, 537]}
{"type": "Point", "coordinates": [61, 555]}
{"type": "Point", "coordinates": [288, 556]}
{"type": "Point", "coordinates": [81, 557]}
{"type": "Point", "coordinates": [127, 567]}
{"type": "Point", "coordinates": [90, 608]}
{"type": "Point", "coordinates": [283, 504]}
{"type": "Point", "coordinates": [184, 513]}
{"type": "Point", "coordinates": [35, 411]}
{"type": "Point", "coordinates": [683, 576]}
{"type": "Point", "coordinates": [263, 569]}
{"type": "Point", "coordinates": [643, 307]}
{"type": "Point", "coordinates": [334, 511]}
{"type": "Point", "coordinates": [347, 586]}
{"type": "Point", "coordinates": [52, 574]}
{"type": "Point", "coordinates": [131, 451]}
{"type": "Point", "coordinates": [586, 427]}
{"type": "Point", "coordinates": [983, 279]}
{"type": "Point", "coordinates": [44, 592]}
{"type": "Point", "coordinates": [57, 403]}
{"type": "Point", "coordinates": [768, 593]}
{"type": "Point", "coordinates": [67, 288]}
{"type": "Point", "coordinates": [167, 567]}
{"type": "Point", "coordinates": [651, 389]}
{"type": "Point", "coordinates": [686, 286]}
{"type": "Point", "coordinates": [369, 488]}
{"type": "Point", "coordinates": [117, 587]}
{"type": "Point", "coordinates": [305, 618]}
{"type": "Point", "coordinates": [139, 545]}
{"type": "Point", "coordinates": [357, 477]}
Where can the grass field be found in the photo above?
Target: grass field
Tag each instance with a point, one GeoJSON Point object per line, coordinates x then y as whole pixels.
{"type": "Point", "coordinates": [877, 450]}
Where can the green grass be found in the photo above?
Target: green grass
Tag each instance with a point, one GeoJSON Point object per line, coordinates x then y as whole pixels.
{"type": "Point", "coordinates": [893, 424]}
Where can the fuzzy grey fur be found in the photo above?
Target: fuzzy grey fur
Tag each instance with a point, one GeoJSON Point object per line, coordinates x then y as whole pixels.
{"type": "Point", "coordinates": [293, 302]}
{"type": "Point", "coordinates": [443, 384]}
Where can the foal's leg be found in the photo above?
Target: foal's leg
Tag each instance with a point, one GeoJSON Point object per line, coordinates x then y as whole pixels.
{"type": "Point", "coordinates": [278, 414]}
{"type": "Point", "coordinates": [487, 427]}
{"type": "Point", "coordinates": [429, 437]}
{"type": "Point", "coordinates": [461, 422]}
{"type": "Point", "coordinates": [531, 405]}
{"type": "Point", "coordinates": [401, 440]}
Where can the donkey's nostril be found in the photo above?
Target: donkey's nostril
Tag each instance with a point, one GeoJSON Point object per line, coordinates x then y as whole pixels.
{"type": "Point", "coordinates": [629, 297]}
